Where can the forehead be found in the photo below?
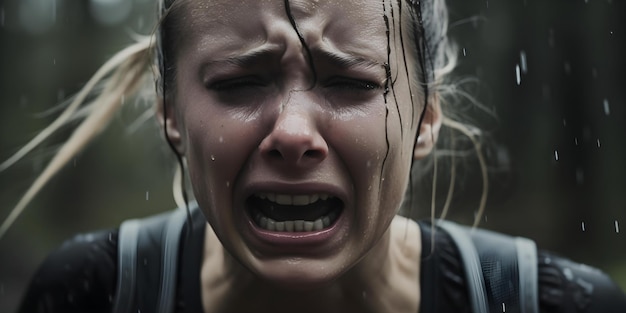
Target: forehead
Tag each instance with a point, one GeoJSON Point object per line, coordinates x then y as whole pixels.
{"type": "Point", "coordinates": [355, 26]}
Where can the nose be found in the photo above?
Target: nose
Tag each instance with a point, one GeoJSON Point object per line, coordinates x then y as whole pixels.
{"type": "Point", "coordinates": [295, 140]}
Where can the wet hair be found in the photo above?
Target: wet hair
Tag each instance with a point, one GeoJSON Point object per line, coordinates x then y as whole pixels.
{"type": "Point", "coordinates": [129, 71]}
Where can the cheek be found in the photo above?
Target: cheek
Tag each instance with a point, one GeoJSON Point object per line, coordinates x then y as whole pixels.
{"type": "Point", "coordinates": [218, 142]}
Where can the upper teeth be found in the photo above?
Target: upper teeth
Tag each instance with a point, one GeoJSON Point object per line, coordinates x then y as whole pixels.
{"type": "Point", "coordinates": [292, 199]}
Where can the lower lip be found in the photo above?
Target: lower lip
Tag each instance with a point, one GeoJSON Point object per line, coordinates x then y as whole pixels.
{"type": "Point", "coordinates": [294, 240]}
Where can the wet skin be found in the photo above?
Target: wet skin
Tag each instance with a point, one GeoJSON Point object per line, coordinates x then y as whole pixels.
{"type": "Point", "coordinates": [249, 117]}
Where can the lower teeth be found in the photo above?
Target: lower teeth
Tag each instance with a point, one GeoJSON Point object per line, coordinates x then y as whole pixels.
{"type": "Point", "coordinates": [296, 225]}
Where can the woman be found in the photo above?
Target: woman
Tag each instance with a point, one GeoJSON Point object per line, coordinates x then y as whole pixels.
{"type": "Point", "coordinates": [298, 122]}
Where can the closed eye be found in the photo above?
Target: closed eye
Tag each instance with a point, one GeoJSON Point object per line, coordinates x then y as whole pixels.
{"type": "Point", "coordinates": [351, 84]}
{"type": "Point", "coordinates": [235, 84]}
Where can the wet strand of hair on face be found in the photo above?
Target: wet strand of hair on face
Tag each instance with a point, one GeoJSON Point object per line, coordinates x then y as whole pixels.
{"type": "Point", "coordinates": [385, 92]}
{"type": "Point", "coordinates": [309, 55]}
{"type": "Point", "coordinates": [388, 66]}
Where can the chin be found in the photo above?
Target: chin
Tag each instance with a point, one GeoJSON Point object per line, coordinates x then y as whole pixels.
{"type": "Point", "coordinates": [298, 274]}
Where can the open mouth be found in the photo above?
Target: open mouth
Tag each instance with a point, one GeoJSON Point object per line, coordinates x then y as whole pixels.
{"type": "Point", "coordinates": [294, 213]}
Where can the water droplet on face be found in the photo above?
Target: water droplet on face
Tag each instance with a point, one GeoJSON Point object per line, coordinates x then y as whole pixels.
{"type": "Point", "coordinates": [518, 78]}
{"type": "Point", "coordinates": [607, 109]}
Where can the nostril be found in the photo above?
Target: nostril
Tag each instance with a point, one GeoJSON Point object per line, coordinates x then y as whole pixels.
{"type": "Point", "coordinates": [314, 154]}
{"type": "Point", "coordinates": [275, 154]}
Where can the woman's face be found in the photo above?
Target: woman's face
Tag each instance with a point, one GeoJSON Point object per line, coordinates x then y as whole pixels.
{"type": "Point", "coordinates": [299, 172]}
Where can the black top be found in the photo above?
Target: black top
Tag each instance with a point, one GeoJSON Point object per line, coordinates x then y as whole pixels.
{"type": "Point", "coordinates": [81, 276]}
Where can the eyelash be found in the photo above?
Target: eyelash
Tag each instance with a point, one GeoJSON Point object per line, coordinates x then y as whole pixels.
{"type": "Point", "coordinates": [236, 83]}
{"type": "Point", "coordinates": [352, 84]}
{"type": "Point", "coordinates": [342, 83]}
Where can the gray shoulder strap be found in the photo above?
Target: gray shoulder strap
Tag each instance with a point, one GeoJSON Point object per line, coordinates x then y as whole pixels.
{"type": "Point", "coordinates": [528, 274]}
{"type": "Point", "coordinates": [142, 237]}
{"type": "Point", "coordinates": [471, 262]}
{"type": "Point", "coordinates": [167, 291]}
{"type": "Point", "coordinates": [501, 270]}
{"type": "Point", "coordinates": [126, 262]}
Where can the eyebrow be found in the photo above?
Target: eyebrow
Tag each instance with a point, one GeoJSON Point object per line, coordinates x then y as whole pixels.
{"type": "Point", "coordinates": [249, 58]}
{"type": "Point", "coordinates": [336, 59]}
{"type": "Point", "coordinates": [344, 60]}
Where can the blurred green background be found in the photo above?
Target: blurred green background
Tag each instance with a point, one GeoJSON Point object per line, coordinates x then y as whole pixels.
{"type": "Point", "coordinates": [559, 132]}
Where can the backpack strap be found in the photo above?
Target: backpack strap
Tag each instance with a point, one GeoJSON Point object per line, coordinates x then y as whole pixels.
{"type": "Point", "coordinates": [147, 263]}
{"type": "Point", "coordinates": [500, 270]}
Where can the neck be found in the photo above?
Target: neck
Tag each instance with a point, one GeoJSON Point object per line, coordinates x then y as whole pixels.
{"type": "Point", "coordinates": [385, 280]}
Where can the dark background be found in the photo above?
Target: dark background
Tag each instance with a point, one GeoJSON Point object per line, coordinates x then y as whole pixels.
{"type": "Point", "coordinates": [569, 102]}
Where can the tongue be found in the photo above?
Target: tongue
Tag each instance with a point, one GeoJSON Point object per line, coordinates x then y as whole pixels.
{"type": "Point", "coordinates": [281, 213]}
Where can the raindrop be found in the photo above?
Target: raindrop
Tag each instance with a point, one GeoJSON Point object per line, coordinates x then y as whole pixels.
{"type": "Point", "coordinates": [227, 184]}
{"type": "Point", "coordinates": [503, 307]}
{"type": "Point", "coordinates": [568, 273]}
{"type": "Point", "coordinates": [564, 122]}
{"type": "Point", "coordinates": [611, 32]}
{"type": "Point", "coordinates": [145, 261]}
{"type": "Point", "coordinates": [486, 220]}
{"type": "Point", "coordinates": [364, 294]}
{"type": "Point", "coordinates": [576, 140]}
{"type": "Point", "coordinates": [580, 176]}
{"type": "Point", "coordinates": [551, 37]}
{"type": "Point", "coordinates": [111, 237]}
{"type": "Point", "coordinates": [212, 157]}
{"type": "Point", "coordinates": [598, 142]}
{"type": "Point", "coordinates": [221, 139]}
{"type": "Point", "coordinates": [616, 226]}
{"type": "Point", "coordinates": [464, 52]}
{"type": "Point", "coordinates": [556, 155]}
{"type": "Point", "coordinates": [522, 57]}
{"type": "Point", "coordinates": [517, 74]}
{"type": "Point", "coordinates": [607, 109]}
{"type": "Point", "coordinates": [567, 67]}
{"type": "Point", "coordinates": [147, 195]}
{"type": "Point", "coordinates": [582, 225]}
{"type": "Point", "coordinates": [54, 61]}
{"type": "Point", "coordinates": [487, 4]}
